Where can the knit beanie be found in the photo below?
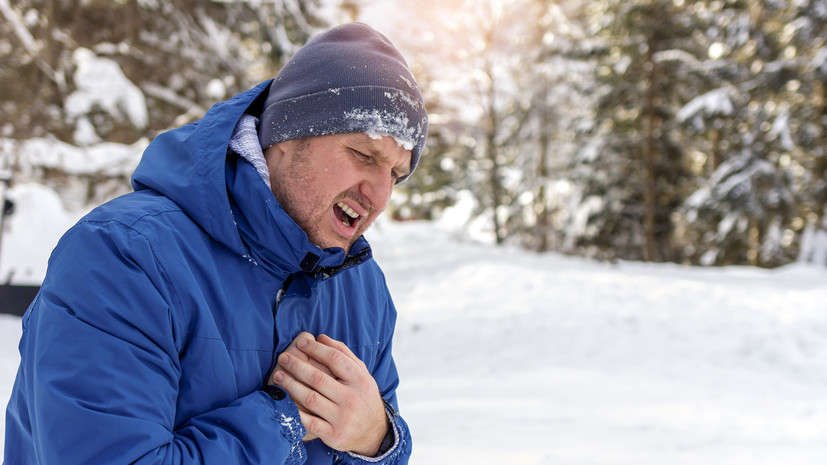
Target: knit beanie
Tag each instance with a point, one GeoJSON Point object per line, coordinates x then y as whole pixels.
{"type": "Point", "coordinates": [348, 79]}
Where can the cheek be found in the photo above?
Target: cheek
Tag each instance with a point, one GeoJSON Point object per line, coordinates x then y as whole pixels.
{"type": "Point", "coordinates": [335, 178]}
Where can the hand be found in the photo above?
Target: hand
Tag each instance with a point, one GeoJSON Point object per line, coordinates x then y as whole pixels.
{"type": "Point", "coordinates": [338, 399]}
{"type": "Point", "coordinates": [295, 352]}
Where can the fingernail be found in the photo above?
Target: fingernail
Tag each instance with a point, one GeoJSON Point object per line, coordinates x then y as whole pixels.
{"type": "Point", "coordinates": [279, 376]}
{"type": "Point", "coordinates": [284, 359]}
{"type": "Point", "coordinates": [302, 343]}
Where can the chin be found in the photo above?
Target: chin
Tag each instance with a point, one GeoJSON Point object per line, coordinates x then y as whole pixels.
{"type": "Point", "coordinates": [329, 244]}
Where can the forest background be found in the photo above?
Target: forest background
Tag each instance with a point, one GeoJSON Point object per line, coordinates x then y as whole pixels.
{"type": "Point", "coordinates": [681, 131]}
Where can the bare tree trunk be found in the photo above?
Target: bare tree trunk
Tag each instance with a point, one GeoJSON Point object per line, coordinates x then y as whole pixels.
{"type": "Point", "coordinates": [649, 154]}
{"type": "Point", "coordinates": [543, 216]}
{"type": "Point", "coordinates": [494, 173]}
{"type": "Point", "coordinates": [753, 242]}
{"type": "Point", "coordinates": [820, 163]}
{"type": "Point", "coordinates": [540, 207]}
{"type": "Point", "coordinates": [491, 149]}
{"type": "Point", "coordinates": [715, 153]}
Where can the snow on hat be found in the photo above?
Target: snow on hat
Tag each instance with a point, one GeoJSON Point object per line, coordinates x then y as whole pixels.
{"type": "Point", "coordinates": [348, 79]}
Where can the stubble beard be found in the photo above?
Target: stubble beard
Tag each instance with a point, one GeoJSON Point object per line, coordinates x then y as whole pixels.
{"type": "Point", "coordinates": [303, 208]}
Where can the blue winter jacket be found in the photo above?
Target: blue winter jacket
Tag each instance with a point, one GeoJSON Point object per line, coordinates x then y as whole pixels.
{"type": "Point", "coordinates": [162, 312]}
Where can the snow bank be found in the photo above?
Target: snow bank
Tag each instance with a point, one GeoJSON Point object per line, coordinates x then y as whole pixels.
{"type": "Point", "coordinates": [38, 222]}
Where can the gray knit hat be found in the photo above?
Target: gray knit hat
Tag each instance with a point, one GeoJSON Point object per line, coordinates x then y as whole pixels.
{"type": "Point", "coordinates": [348, 79]}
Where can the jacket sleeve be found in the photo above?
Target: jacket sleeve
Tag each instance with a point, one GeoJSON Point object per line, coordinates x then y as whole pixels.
{"type": "Point", "coordinates": [99, 359]}
{"type": "Point", "coordinates": [387, 378]}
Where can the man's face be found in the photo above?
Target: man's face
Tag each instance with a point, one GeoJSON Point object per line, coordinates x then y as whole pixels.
{"type": "Point", "coordinates": [335, 186]}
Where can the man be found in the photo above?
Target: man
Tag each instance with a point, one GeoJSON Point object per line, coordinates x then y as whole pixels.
{"type": "Point", "coordinates": [228, 311]}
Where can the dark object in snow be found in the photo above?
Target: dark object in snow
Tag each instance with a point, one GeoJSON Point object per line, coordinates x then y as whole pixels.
{"type": "Point", "coordinates": [8, 207]}
{"type": "Point", "coordinates": [15, 299]}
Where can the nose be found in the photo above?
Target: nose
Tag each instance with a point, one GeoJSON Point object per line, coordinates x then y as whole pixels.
{"type": "Point", "coordinates": [377, 189]}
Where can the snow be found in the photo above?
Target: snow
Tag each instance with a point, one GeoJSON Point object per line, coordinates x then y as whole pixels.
{"type": "Point", "coordinates": [100, 82]}
{"type": "Point", "coordinates": [216, 90]}
{"type": "Point", "coordinates": [512, 357]}
{"type": "Point", "coordinates": [820, 60]}
{"type": "Point", "coordinates": [32, 232]}
{"type": "Point", "coordinates": [714, 102]}
{"type": "Point", "coordinates": [104, 158]}
{"type": "Point", "coordinates": [813, 246]}
{"type": "Point", "coordinates": [782, 131]}
{"type": "Point", "coordinates": [580, 226]}
{"type": "Point", "coordinates": [378, 135]}
{"type": "Point", "coordinates": [509, 357]}
{"type": "Point", "coordinates": [382, 122]}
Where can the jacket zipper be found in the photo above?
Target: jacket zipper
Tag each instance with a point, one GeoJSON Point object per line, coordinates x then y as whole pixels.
{"type": "Point", "coordinates": [279, 297]}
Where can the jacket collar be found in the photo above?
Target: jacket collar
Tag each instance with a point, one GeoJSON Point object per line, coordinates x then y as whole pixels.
{"type": "Point", "coordinates": [271, 237]}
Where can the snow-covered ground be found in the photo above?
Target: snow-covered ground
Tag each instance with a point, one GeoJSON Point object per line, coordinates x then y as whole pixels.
{"type": "Point", "coordinates": [509, 357]}
{"type": "Point", "coordinates": [513, 358]}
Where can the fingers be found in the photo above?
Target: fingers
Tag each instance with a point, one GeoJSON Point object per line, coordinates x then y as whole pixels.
{"type": "Point", "coordinates": [338, 399]}
{"type": "Point", "coordinates": [312, 373]}
{"type": "Point", "coordinates": [309, 387]}
{"type": "Point", "coordinates": [293, 350]}
{"type": "Point", "coordinates": [305, 417]}
{"type": "Point", "coordinates": [334, 355]}
{"type": "Point", "coordinates": [338, 345]}
{"type": "Point", "coordinates": [314, 426]}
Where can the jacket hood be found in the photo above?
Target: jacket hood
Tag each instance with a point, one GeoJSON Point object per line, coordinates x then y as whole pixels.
{"type": "Point", "coordinates": [227, 198]}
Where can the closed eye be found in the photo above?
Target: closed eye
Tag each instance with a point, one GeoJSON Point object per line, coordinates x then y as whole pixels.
{"type": "Point", "coordinates": [361, 155]}
{"type": "Point", "coordinates": [371, 159]}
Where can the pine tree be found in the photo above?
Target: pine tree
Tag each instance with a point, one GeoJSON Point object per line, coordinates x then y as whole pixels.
{"type": "Point", "coordinates": [632, 174]}
{"type": "Point", "coordinates": [745, 202]}
{"type": "Point", "coordinates": [805, 37]}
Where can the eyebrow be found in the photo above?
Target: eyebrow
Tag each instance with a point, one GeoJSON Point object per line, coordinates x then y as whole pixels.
{"type": "Point", "coordinates": [373, 149]}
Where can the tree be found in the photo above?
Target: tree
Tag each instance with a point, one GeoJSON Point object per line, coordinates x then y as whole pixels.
{"type": "Point", "coordinates": [558, 83]}
{"type": "Point", "coordinates": [805, 39]}
{"type": "Point", "coordinates": [632, 173]}
{"type": "Point", "coordinates": [167, 60]}
{"type": "Point", "coordinates": [182, 55]}
{"type": "Point", "coordinates": [466, 54]}
{"type": "Point", "coordinates": [743, 133]}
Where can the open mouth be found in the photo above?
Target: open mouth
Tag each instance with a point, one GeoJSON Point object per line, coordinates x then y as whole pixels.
{"type": "Point", "coordinates": [346, 214]}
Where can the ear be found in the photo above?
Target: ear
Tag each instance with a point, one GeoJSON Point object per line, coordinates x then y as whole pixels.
{"type": "Point", "coordinates": [274, 158]}
{"type": "Point", "coordinates": [280, 149]}
{"type": "Point", "coordinates": [274, 152]}
{"type": "Point", "coordinates": [275, 155]}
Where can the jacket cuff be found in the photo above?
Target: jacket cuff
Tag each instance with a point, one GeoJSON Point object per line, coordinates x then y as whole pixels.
{"type": "Point", "coordinates": [287, 416]}
{"type": "Point", "coordinates": [388, 457]}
